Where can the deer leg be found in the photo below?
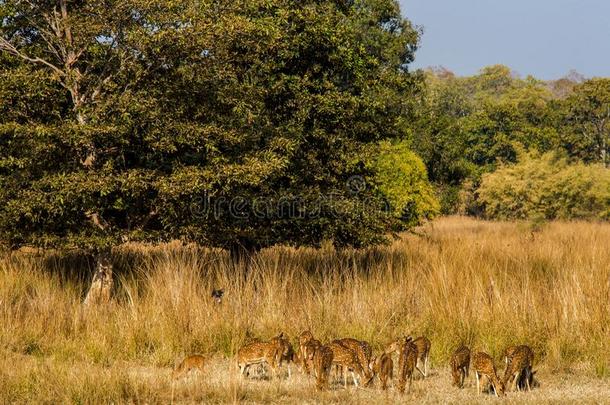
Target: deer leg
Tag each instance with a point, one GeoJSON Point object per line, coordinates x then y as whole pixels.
{"type": "Point", "coordinates": [493, 385]}
{"type": "Point", "coordinates": [417, 362]}
{"type": "Point", "coordinates": [476, 375]}
{"type": "Point", "coordinates": [426, 365]}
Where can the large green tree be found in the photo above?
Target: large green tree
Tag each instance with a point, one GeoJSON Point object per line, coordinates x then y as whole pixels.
{"type": "Point", "coordinates": [234, 124]}
{"type": "Point", "coordinates": [586, 129]}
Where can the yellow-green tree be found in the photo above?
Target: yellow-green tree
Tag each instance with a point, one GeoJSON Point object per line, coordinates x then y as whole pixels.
{"type": "Point", "coordinates": [546, 187]}
{"type": "Point", "coordinates": [403, 181]}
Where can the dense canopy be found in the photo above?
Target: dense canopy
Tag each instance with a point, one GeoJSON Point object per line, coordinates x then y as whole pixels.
{"type": "Point", "coordinates": [150, 120]}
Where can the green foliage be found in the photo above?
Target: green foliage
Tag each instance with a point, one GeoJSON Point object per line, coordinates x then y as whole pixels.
{"type": "Point", "coordinates": [152, 121]}
{"type": "Point", "coordinates": [403, 181]}
{"type": "Point", "coordinates": [586, 134]}
{"type": "Point", "coordinates": [548, 187]}
{"type": "Point", "coordinates": [470, 125]}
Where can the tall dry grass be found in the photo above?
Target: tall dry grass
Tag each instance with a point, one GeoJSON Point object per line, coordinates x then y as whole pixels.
{"type": "Point", "coordinates": [486, 284]}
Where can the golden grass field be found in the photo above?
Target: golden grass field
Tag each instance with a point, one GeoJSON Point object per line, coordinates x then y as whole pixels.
{"type": "Point", "coordinates": [488, 284]}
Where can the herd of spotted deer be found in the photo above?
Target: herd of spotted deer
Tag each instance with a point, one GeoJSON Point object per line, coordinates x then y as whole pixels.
{"type": "Point", "coordinates": [353, 356]}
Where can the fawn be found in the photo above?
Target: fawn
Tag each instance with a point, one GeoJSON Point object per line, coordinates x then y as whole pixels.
{"type": "Point", "coordinates": [363, 352]}
{"type": "Point", "coordinates": [519, 366]}
{"type": "Point", "coordinates": [322, 363]}
{"type": "Point", "coordinates": [193, 362]}
{"type": "Point", "coordinates": [423, 350]}
{"type": "Point", "coordinates": [407, 361]}
{"type": "Point", "coordinates": [460, 363]}
{"type": "Point", "coordinates": [383, 367]}
{"type": "Point", "coordinates": [261, 352]}
{"type": "Point", "coordinates": [347, 360]}
{"type": "Point", "coordinates": [484, 367]}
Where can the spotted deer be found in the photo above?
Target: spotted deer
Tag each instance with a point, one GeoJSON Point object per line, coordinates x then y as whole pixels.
{"type": "Point", "coordinates": [396, 345]}
{"type": "Point", "coordinates": [322, 363]}
{"type": "Point", "coordinates": [309, 349]}
{"type": "Point", "coordinates": [287, 354]}
{"type": "Point", "coordinates": [460, 363]}
{"type": "Point", "coordinates": [383, 367]}
{"type": "Point", "coordinates": [347, 360]}
{"type": "Point", "coordinates": [304, 338]}
{"type": "Point", "coordinates": [423, 349]}
{"type": "Point", "coordinates": [193, 362]}
{"type": "Point", "coordinates": [363, 352]}
{"type": "Point", "coordinates": [260, 353]}
{"type": "Point", "coordinates": [407, 360]}
{"type": "Point", "coordinates": [519, 367]}
{"type": "Point", "coordinates": [484, 366]}
{"type": "Point", "coordinates": [508, 352]}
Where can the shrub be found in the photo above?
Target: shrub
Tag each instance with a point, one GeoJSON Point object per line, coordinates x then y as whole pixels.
{"type": "Point", "coordinates": [403, 181]}
{"type": "Point", "coordinates": [548, 187]}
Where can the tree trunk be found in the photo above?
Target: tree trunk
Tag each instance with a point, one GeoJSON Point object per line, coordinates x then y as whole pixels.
{"type": "Point", "coordinates": [101, 285]}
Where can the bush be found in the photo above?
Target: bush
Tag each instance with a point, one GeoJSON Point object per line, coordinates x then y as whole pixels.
{"type": "Point", "coordinates": [547, 187]}
{"type": "Point", "coordinates": [402, 179]}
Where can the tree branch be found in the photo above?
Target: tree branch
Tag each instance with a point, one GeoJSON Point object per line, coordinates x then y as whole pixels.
{"type": "Point", "coordinates": [5, 45]}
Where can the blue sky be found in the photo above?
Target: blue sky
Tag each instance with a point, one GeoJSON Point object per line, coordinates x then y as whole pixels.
{"type": "Point", "coordinates": [545, 38]}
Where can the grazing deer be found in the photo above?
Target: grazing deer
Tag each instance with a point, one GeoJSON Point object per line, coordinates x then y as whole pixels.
{"type": "Point", "coordinates": [260, 353]}
{"type": "Point", "coordinates": [460, 363]}
{"type": "Point", "coordinates": [423, 349]}
{"type": "Point", "coordinates": [407, 361]}
{"type": "Point", "coordinates": [363, 352]}
{"type": "Point", "coordinates": [193, 362]}
{"type": "Point", "coordinates": [383, 367]}
{"type": "Point", "coordinates": [484, 366]}
{"type": "Point", "coordinates": [519, 367]}
{"type": "Point", "coordinates": [347, 360]}
{"type": "Point", "coordinates": [322, 363]}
